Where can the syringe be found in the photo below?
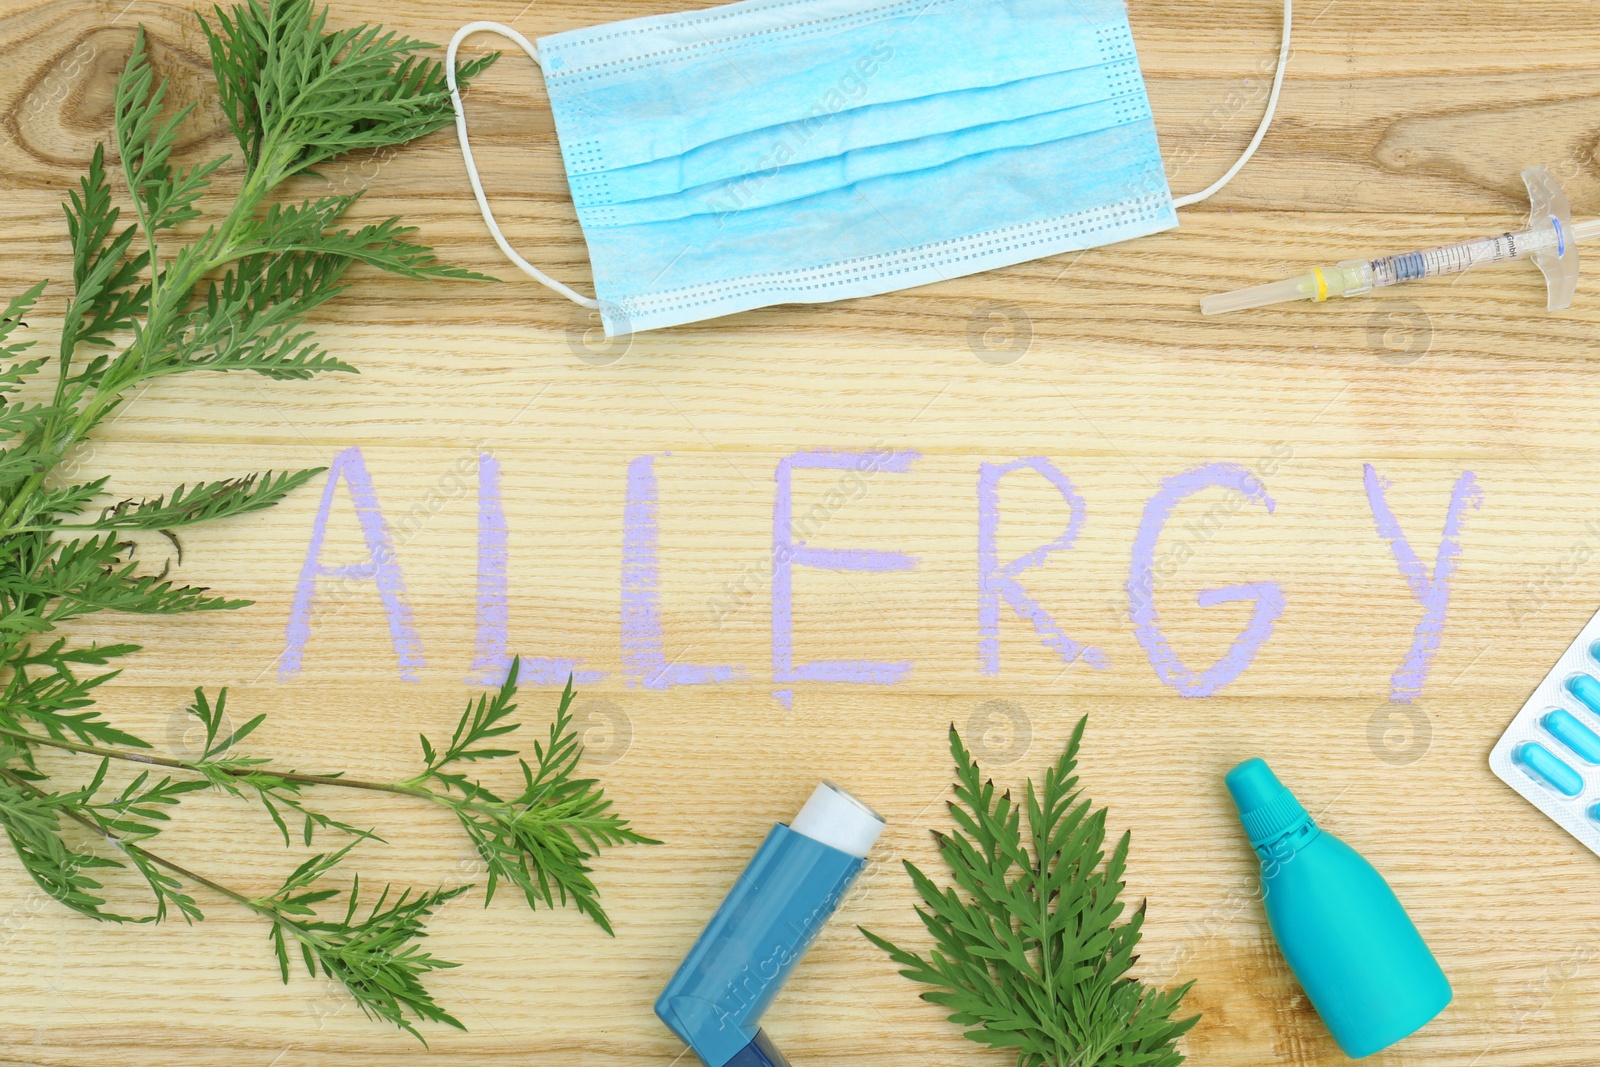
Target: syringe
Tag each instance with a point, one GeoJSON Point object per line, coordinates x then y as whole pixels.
{"type": "Point", "coordinates": [1551, 238]}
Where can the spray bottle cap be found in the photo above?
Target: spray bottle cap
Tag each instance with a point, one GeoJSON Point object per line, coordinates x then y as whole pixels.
{"type": "Point", "coordinates": [1266, 807]}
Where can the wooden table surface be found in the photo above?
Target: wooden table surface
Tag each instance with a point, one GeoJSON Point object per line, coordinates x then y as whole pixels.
{"type": "Point", "coordinates": [1401, 125]}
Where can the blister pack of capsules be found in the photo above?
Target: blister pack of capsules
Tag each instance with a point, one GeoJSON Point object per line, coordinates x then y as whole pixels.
{"type": "Point", "coordinates": [1551, 751]}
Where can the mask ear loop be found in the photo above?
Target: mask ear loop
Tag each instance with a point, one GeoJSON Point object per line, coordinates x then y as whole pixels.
{"type": "Point", "coordinates": [472, 167]}
{"type": "Point", "coordinates": [1266, 119]}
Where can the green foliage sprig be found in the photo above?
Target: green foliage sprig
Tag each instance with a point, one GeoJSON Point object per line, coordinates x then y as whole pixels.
{"type": "Point", "coordinates": [540, 840]}
{"type": "Point", "coordinates": [170, 293]}
{"type": "Point", "coordinates": [1028, 954]}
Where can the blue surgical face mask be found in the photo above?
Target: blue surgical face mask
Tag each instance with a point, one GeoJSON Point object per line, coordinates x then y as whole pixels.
{"type": "Point", "coordinates": [779, 151]}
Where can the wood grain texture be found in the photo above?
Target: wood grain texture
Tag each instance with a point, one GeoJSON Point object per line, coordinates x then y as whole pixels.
{"type": "Point", "coordinates": [1401, 125]}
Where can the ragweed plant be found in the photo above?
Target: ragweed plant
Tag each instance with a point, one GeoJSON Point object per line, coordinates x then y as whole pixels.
{"type": "Point", "coordinates": [183, 287]}
{"type": "Point", "coordinates": [539, 839]}
{"type": "Point", "coordinates": [1027, 952]}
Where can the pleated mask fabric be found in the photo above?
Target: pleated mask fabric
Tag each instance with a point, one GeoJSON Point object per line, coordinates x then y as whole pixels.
{"type": "Point", "coordinates": [779, 151]}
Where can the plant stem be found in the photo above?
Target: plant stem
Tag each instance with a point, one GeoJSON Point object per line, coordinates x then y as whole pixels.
{"type": "Point", "coordinates": [80, 426]}
{"type": "Point", "coordinates": [408, 788]}
{"type": "Point", "coordinates": [123, 843]}
{"type": "Point", "coordinates": [161, 861]}
{"type": "Point", "coordinates": [167, 300]}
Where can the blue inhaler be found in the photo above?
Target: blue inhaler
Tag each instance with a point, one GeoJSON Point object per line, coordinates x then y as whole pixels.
{"type": "Point", "coordinates": [765, 924]}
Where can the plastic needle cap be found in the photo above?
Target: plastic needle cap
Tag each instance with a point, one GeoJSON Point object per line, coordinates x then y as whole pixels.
{"type": "Point", "coordinates": [1266, 807]}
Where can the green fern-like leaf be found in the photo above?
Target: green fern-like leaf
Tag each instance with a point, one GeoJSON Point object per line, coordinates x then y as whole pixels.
{"type": "Point", "coordinates": [108, 294]}
{"type": "Point", "coordinates": [1028, 954]}
{"type": "Point", "coordinates": [200, 502]}
{"type": "Point", "coordinates": [32, 819]}
{"type": "Point", "coordinates": [541, 839]}
{"type": "Point", "coordinates": [297, 94]}
{"type": "Point", "coordinates": [374, 955]}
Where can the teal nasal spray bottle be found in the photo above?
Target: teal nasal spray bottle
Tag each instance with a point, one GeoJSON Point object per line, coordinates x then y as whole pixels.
{"type": "Point", "coordinates": [1356, 952]}
{"type": "Point", "coordinates": [765, 924]}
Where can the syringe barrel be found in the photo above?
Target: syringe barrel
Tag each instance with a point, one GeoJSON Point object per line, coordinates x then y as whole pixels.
{"type": "Point", "coordinates": [1353, 277]}
{"type": "Point", "coordinates": [1459, 257]}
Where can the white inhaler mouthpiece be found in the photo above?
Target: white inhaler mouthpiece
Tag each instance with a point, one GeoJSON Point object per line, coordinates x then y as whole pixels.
{"type": "Point", "coordinates": [838, 819]}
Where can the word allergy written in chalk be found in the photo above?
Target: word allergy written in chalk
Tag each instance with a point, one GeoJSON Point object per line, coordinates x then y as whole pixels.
{"type": "Point", "coordinates": [645, 661]}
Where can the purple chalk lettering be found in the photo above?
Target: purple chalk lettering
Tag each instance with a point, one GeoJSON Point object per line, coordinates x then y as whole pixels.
{"type": "Point", "coordinates": [997, 581]}
{"type": "Point", "coordinates": [491, 659]}
{"type": "Point", "coordinates": [380, 568]}
{"type": "Point", "coordinates": [787, 551]}
{"type": "Point", "coordinates": [1268, 596]}
{"type": "Point", "coordinates": [1431, 591]}
{"type": "Point", "coordinates": [643, 657]}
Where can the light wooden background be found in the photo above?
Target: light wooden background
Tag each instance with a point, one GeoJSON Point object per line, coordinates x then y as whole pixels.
{"type": "Point", "coordinates": [1401, 125]}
